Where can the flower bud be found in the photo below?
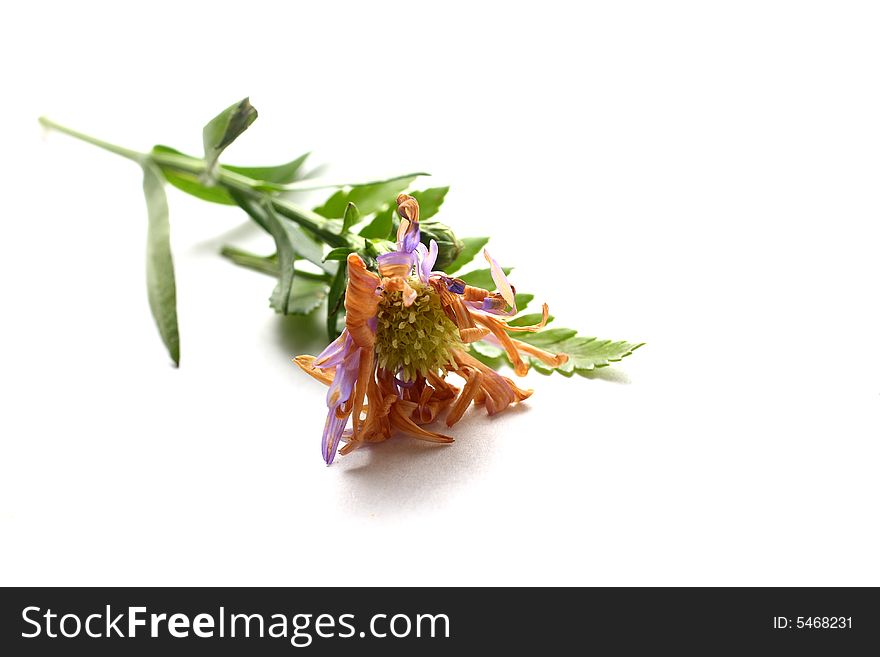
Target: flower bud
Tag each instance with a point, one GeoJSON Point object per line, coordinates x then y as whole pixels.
{"type": "Point", "coordinates": [449, 246]}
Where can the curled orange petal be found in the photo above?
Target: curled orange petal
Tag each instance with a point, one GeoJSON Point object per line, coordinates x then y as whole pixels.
{"type": "Point", "coordinates": [361, 301]}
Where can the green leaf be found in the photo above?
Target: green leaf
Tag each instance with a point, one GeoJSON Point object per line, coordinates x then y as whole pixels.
{"type": "Point", "coordinates": [334, 207]}
{"type": "Point", "coordinates": [547, 338]}
{"type": "Point", "coordinates": [264, 264]}
{"type": "Point", "coordinates": [482, 278]}
{"type": "Point", "coordinates": [194, 184]}
{"type": "Point", "coordinates": [430, 201]}
{"type": "Point", "coordinates": [486, 349]}
{"type": "Point", "coordinates": [585, 354]}
{"type": "Point", "coordinates": [472, 246]}
{"type": "Point", "coordinates": [335, 299]}
{"type": "Point", "coordinates": [481, 351]}
{"type": "Point", "coordinates": [267, 264]}
{"type": "Point", "coordinates": [381, 225]}
{"type": "Point", "coordinates": [290, 296]}
{"type": "Point", "coordinates": [350, 217]}
{"type": "Point", "coordinates": [529, 320]}
{"type": "Point", "coordinates": [161, 286]}
{"type": "Point", "coordinates": [287, 235]}
{"type": "Point", "coordinates": [326, 229]}
{"type": "Point", "coordinates": [304, 296]}
{"type": "Point", "coordinates": [191, 183]}
{"type": "Point", "coordinates": [369, 198]}
{"type": "Point", "coordinates": [280, 174]}
{"type": "Point", "coordinates": [339, 253]}
{"type": "Point", "coordinates": [225, 128]}
{"type": "Point", "coordinates": [523, 300]}
{"type": "Point", "coordinates": [282, 297]}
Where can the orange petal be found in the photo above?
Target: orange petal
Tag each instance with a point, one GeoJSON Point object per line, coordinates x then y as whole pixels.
{"type": "Point", "coordinates": [325, 376]}
{"type": "Point", "coordinates": [365, 375]}
{"type": "Point", "coordinates": [470, 390]}
{"type": "Point", "coordinates": [545, 313]}
{"type": "Point", "coordinates": [553, 360]}
{"type": "Point", "coordinates": [400, 419]}
{"type": "Point", "coordinates": [361, 301]}
{"type": "Point", "coordinates": [497, 327]}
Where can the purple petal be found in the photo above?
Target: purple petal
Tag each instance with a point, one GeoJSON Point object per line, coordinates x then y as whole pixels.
{"type": "Point", "coordinates": [454, 285]}
{"type": "Point", "coordinates": [493, 304]}
{"type": "Point", "coordinates": [334, 352]}
{"type": "Point", "coordinates": [337, 395]}
{"type": "Point", "coordinates": [408, 236]}
{"type": "Point", "coordinates": [333, 429]}
{"type": "Point", "coordinates": [395, 258]}
{"type": "Point", "coordinates": [427, 258]}
{"type": "Point", "coordinates": [342, 384]}
{"type": "Point", "coordinates": [491, 307]}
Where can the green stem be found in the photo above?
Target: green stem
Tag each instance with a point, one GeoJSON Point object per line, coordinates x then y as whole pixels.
{"type": "Point", "coordinates": [265, 264]}
{"type": "Point", "coordinates": [165, 160]}
{"type": "Point", "coordinates": [229, 179]}
{"type": "Point", "coordinates": [307, 187]}
{"type": "Point", "coordinates": [309, 220]}
{"type": "Point", "coordinates": [100, 143]}
{"type": "Point", "coordinates": [196, 166]}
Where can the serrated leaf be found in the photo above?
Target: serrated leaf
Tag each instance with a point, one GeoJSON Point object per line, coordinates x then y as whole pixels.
{"type": "Point", "coordinates": [350, 217]}
{"type": "Point", "coordinates": [472, 246]}
{"type": "Point", "coordinates": [280, 174]}
{"type": "Point", "coordinates": [585, 354]}
{"type": "Point", "coordinates": [495, 363]}
{"type": "Point", "coordinates": [430, 201]}
{"type": "Point", "coordinates": [482, 278]}
{"type": "Point", "coordinates": [369, 198]}
{"type": "Point", "coordinates": [304, 296]}
{"type": "Point", "coordinates": [529, 319]}
{"type": "Point", "coordinates": [225, 128]}
{"type": "Point", "coordinates": [485, 349]}
{"type": "Point", "coordinates": [540, 367]}
{"type": "Point", "coordinates": [548, 337]}
{"type": "Point", "coordinates": [161, 286]}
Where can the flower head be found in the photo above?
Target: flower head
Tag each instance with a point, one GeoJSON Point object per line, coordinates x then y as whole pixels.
{"type": "Point", "coordinates": [406, 329]}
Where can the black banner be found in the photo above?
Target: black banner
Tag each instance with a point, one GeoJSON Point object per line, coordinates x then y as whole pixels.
{"type": "Point", "coordinates": [277, 621]}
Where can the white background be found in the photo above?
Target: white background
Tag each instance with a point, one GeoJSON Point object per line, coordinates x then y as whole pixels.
{"type": "Point", "coordinates": [700, 176]}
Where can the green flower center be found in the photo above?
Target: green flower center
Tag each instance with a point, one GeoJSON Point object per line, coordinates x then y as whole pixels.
{"type": "Point", "coordinates": [412, 341]}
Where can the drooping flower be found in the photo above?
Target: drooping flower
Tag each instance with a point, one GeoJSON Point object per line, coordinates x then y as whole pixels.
{"type": "Point", "coordinates": [406, 329]}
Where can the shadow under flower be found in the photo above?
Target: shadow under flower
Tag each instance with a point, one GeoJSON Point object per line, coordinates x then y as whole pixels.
{"type": "Point", "coordinates": [404, 475]}
{"type": "Point", "coordinates": [611, 374]}
{"type": "Point", "coordinates": [213, 245]}
{"type": "Point", "coordinates": [302, 334]}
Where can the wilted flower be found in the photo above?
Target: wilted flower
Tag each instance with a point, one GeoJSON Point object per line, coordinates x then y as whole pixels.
{"type": "Point", "coordinates": [406, 329]}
